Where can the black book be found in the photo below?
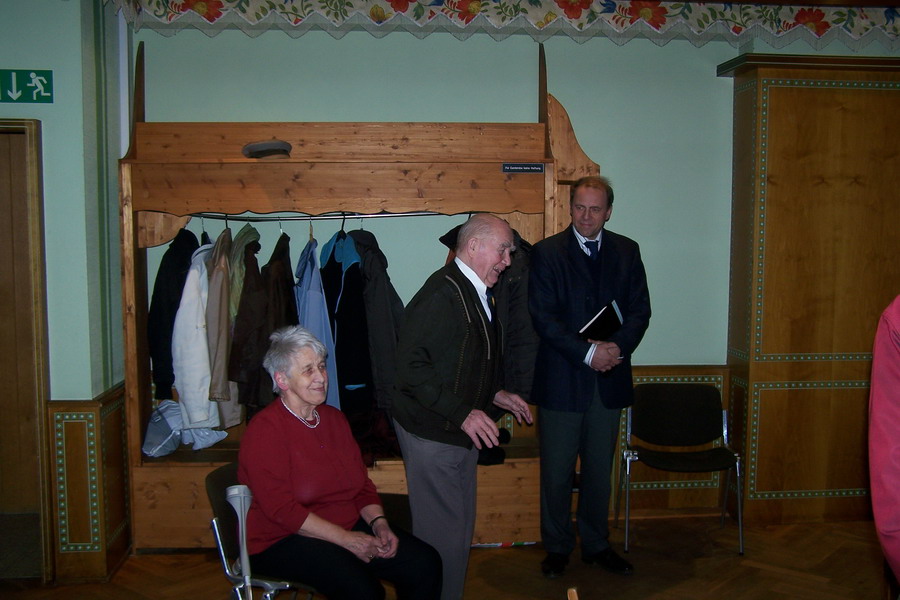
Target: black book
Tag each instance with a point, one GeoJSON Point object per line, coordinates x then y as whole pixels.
{"type": "Point", "coordinates": [604, 324]}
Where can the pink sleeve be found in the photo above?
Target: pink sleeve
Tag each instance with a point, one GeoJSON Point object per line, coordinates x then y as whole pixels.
{"type": "Point", "coordinates": [884, 433]}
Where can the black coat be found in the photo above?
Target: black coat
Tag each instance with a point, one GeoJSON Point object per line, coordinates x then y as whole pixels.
{"type": "Point", "coordinates": [384, 310]}
{"type": "Point", "coordinates": [448, 359]}
{"type": "Point", "coordinates": [563, 294]}
{"type": "Point", "coordinates": [166, 298]}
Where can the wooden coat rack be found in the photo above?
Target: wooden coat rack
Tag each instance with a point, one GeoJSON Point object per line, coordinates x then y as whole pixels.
{"type": "Point", "coordinates": [521, 171]}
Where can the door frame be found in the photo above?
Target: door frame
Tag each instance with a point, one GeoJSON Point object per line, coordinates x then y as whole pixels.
{"type": "Point", "coordinates": [34, 208]}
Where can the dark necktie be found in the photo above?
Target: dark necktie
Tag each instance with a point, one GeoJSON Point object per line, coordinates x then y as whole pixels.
{"type": "Point", "coordinates": [593, 248]}
{"type": "Point", "coordinates": [492, 303]}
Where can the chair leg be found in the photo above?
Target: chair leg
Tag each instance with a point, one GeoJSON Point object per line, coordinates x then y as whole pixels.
{"type": "Point", "coordinates": [725, 497]}
{"type": "Point", "coordinates": [627, 501]}
{"type": "Point", "coordinates": [241, 592]}
{"type": "Point", "coordinates": [619, 488]}
{"type": "Point", "coordinates": [740, 502]}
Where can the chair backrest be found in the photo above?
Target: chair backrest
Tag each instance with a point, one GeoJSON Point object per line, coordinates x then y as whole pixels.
{"type": "Point", "coordinates": [217, 484]}
{"type": "Point", "coordinates": [677, 414]}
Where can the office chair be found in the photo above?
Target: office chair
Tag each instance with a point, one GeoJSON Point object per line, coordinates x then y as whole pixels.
{"type": "Point", "coordinates": [679, 415]}
{"type": "Point", "coordinates": [230, 502]}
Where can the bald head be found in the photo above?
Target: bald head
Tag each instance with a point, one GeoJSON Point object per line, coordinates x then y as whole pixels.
{"type": "Point", "coordinates": [485, 243]}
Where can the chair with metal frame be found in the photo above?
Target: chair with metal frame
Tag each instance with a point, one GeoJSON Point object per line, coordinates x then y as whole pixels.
{"type": "Point", "coordinates": [679, 415]}
{"type": "Point", "coordinates": [230, 502]}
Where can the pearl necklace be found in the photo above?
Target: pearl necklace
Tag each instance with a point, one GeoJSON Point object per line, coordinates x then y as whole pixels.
{"type": "Point", "coordinates": [301, 419]}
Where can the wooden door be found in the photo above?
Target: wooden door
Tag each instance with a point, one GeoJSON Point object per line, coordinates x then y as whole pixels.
{"type": "Point", "coordinates": [24, 475]}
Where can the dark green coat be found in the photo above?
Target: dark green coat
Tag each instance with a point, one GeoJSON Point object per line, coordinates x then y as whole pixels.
{"type": "Point", "coordinates": [448, 359]}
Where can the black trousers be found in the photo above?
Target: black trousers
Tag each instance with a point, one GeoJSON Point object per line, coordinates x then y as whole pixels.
{"type": "Point", "coordinates": [564, 436]}
{"type": "Point", "coordinates": [337, 573]}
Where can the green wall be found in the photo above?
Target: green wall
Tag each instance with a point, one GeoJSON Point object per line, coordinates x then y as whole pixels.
{"type": "Point", "coordinates": [76, 40]}
{"type": "Point", "coordinates": [656, 119]}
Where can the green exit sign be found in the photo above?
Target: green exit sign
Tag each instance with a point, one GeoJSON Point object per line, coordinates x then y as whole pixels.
{"type": "Point", "coordinates": [26, 86]}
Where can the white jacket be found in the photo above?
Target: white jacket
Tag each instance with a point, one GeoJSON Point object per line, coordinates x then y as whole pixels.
{"type": "Point", "coordinates": [190, 348]}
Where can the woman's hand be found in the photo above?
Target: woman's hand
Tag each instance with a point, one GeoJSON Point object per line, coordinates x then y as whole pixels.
{"type": "Point", "coordinates": [364, 546]}
{"type": "Point", "coordinates": [386, 539]}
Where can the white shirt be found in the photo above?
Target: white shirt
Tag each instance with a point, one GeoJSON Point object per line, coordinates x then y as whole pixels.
{"type": "Point", "coordinates": [581, 240]}
{"type": "Point", "coordinates": [480, 286]}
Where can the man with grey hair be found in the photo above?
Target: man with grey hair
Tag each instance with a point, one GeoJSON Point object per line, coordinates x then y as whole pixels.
{"type": "Point", "coordinates": [449, 391]}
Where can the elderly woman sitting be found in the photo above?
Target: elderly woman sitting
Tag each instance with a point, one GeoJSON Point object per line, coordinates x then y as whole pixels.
{"type": "Point", "coordinates": [315, 515]}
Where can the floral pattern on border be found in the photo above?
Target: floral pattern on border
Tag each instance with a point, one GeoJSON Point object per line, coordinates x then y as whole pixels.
{"type": "Point", "coordinates": [580, 19]}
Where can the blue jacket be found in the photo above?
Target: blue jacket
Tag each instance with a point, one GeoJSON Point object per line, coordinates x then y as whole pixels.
{"type": "Point", "coordinates": [312, 312]}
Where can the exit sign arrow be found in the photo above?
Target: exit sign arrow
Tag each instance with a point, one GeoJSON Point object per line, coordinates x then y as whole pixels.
{"type": "Point", "coordinates": [14, 92]}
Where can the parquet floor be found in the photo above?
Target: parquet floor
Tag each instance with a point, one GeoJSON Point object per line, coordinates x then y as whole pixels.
{"type": "Point", "coordinates": [674, 559]}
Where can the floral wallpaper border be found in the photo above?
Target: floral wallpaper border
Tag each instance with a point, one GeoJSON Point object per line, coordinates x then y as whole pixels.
{"type": "Point", "coordinates": [580, 20]}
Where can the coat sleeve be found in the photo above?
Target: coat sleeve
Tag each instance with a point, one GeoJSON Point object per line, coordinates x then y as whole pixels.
{"type": "Point", "coordinates": [520, 339]}
{"type": "Point", "coordinates": [636, 304]}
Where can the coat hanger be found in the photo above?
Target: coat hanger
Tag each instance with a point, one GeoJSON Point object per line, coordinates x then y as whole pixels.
{"type": "Point", "coordinates": [311, 237]}
{"type": "Point", "coordinates": [342, 234]}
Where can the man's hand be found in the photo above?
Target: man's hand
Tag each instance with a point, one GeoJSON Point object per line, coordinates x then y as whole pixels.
{"type": "Point", "coordinates": [479, 426]}
{"type": "Point", "coordinates": [514, 404]}
{"type": "Point", "coordinates": [606, 356]}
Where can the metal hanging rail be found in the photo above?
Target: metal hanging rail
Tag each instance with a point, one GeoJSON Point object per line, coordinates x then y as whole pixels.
{"type": "Point", "coordinates": [325, 217]}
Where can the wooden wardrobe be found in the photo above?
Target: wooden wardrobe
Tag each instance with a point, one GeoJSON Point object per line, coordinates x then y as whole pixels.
{"type": "Point", "coordinates": [520, 171]}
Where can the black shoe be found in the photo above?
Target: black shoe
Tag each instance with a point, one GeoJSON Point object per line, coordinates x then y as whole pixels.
{"type": "Point", "coordinates": [609, 560]}
{"type": "Point", "coordinates": [554, 564]}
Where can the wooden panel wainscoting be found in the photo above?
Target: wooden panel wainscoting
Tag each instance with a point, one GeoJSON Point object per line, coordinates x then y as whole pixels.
{"type": "Point", "coordinates": [91, 522]}
{"type": "Point", "coordinates": [813, 264]}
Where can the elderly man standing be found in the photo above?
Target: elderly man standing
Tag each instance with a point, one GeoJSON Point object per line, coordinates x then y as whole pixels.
{"type": "Point", "coordinates": [449, 391]}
